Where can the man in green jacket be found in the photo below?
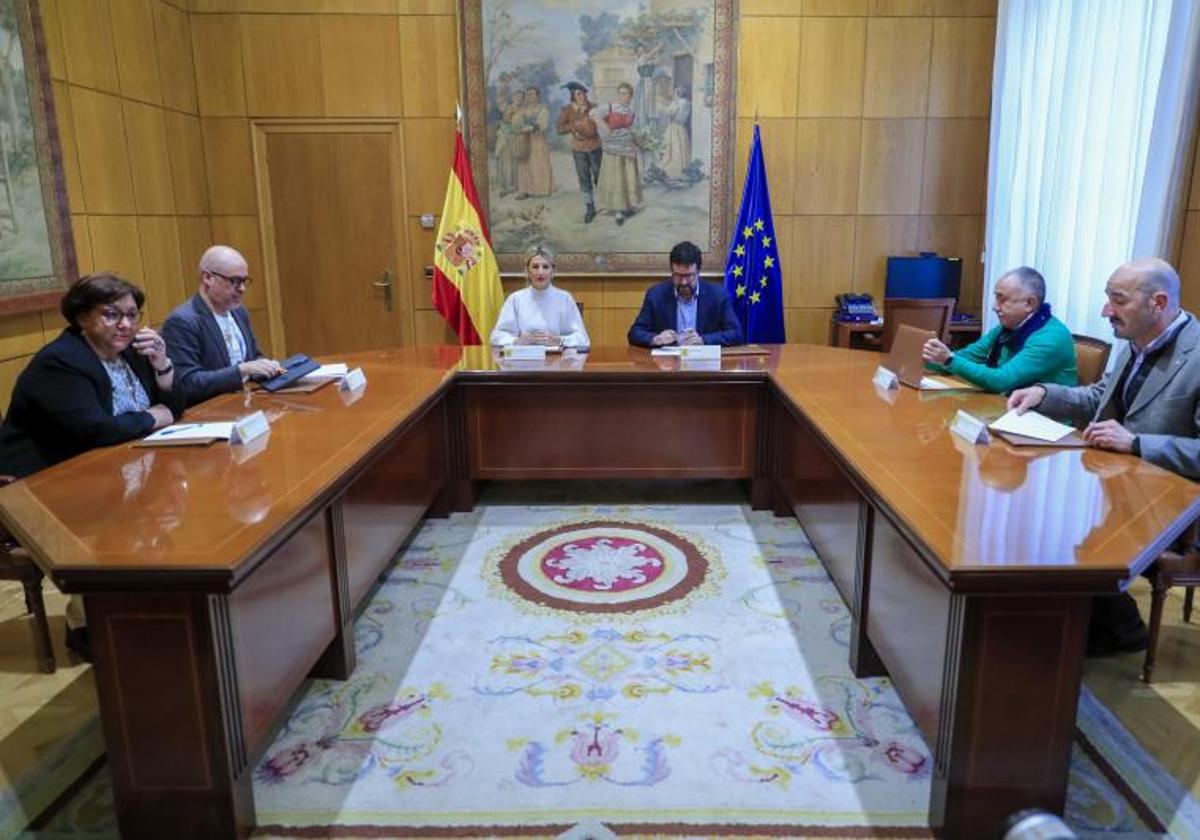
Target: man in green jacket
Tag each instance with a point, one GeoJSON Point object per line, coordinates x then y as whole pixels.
{"type": "Point", "coordinates": [1028, 347]}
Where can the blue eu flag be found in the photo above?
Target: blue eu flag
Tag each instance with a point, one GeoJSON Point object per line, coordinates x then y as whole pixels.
{"type": "Point", "coordinates": [752, 274]}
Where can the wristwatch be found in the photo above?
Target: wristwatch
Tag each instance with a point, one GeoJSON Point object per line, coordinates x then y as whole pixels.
{"type": "Point", "coordinates": [1135, 447]}
{"type": "Point", "coordinates": [949, 360]}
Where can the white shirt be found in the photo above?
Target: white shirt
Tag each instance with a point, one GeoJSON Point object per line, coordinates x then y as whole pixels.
{"type": "Point", "coordinates": [550, 309]}
{"type": "Point", "coordinates": [235, 342]}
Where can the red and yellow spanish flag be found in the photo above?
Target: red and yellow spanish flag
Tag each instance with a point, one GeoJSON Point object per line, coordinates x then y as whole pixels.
{"type": "Point", "coordinates": [466, 278]}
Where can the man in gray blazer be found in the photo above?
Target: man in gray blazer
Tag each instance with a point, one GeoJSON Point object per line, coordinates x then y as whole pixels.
{"type": "Point", "coordinates": [1148, 405]}
{"type": "Point", "coordinates": [209, 337]}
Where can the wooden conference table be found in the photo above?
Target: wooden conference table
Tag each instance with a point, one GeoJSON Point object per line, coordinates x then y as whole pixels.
{"type": "Point", "coordinates": [216, 580]}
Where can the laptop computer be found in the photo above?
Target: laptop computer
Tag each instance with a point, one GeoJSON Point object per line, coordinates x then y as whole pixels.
{"type": "Point", "coordinates": [905, 361]}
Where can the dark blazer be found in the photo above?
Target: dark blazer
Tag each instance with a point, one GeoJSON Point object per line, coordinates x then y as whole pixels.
{"type": "Point", "coordinates": [715, 321]}
{"type": "Point", "coordinates": [62, 406]}
{"type": "Point", "coordinates": [196, 346]}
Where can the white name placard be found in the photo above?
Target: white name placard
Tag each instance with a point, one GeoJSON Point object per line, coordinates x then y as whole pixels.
{"type": "Point", "coordinates": [353, 380]}
{"type": "Point", "coordinates": [249, 427]}
{"type": "Point", "coordinates": [886, 379]}
{"type": "Point", "coordinates": [526, 352]}
{"type": "Point", "coordinates": [970, 428]}
{"type": "Point", "coordinates": [700, 352]}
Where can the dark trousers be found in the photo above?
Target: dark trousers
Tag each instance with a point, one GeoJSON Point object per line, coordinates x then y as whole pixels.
{"type": "Point", "coordinates": [587, 167]}
{"type": "Point", "coordinates": [1115, 617]}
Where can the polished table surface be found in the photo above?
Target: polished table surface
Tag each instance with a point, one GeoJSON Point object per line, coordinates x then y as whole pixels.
{"type": "Point", "coordinates": [967, 568]}
{"type": "Point", "coordinates": [1083, 515]}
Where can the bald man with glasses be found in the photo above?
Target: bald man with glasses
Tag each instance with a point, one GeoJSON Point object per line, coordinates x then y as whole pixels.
{"type": "Point", "coordinates": [209, 338]}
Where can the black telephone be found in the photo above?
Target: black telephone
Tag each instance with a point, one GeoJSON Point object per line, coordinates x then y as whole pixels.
{"type": "Point", "coordinates": [856, 308]}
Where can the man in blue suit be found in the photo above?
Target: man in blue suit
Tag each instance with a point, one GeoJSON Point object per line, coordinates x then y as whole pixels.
{"type": "Point", "coordinates": [209, 337]}
{"type": "Point", "coordinates": [684, 310]}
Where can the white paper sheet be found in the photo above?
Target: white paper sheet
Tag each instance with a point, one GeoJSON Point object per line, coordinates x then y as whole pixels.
{"type": "Point", "coordinates": [665, 351]}
{"type": "Point", "coordinates": [931, 384]}
{"type": "Point", "coordinates": [192, 431]}
{"type": "Point", "coordinates": [1032, 424]}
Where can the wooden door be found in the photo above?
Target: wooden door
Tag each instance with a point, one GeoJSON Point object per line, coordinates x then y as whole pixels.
{"type": "Point", "coordinates": [334, 223]}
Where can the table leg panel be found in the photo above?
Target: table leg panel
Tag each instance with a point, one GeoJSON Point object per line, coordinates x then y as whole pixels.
{"type": "Point", "coordinates": [168, 688]}
{"type": "Point", "coordinates": [384, 504]}
{"type": "Point", "coordinates": [275, 654]}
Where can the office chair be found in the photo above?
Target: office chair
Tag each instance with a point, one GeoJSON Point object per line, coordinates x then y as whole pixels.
{"type": "Point", "coordinates": [932, 314]}
{"type": "Point", "coordinates": [1173, 568]}
{"type": "Point", "coordinates": [16, 564]}
{"type": "Point", "coordinates": [1091, 358]}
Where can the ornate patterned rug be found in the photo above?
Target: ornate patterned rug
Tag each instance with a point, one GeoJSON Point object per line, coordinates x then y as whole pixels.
{"type": "Point", "coordinates": [660, 668]}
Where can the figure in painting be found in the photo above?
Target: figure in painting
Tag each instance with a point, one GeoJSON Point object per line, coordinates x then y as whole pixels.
{"type": "Point", "coordinates": [533, 161]}
{"type": "Point", "coordinates": [677, 142]}
{"type": "Point", "coordinates": [509, 139]}
{"type": "Point", "coordinates": [620, 184]}
{"type": "Point", "coordinates": [576, 119]}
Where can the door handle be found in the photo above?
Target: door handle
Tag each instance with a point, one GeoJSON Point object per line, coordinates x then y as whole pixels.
{"type": "Point", "coordinates": [385, 283]}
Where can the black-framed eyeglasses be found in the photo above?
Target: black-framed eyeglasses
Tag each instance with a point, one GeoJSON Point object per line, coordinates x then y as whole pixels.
{"type": "Point", "coordinates": [111, 316]}
{"type": "Point", "coordinates": [236, 282]}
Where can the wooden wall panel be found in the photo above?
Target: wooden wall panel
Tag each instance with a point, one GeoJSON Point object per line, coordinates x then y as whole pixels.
{"type": "Point", "coordinates": [88, 41]}
{"type": "Point", "coordinates": [116, 246]}
{"type": "Point", "coordinates": [137, 66]}
{"type": "Point", "coordinates": [149, 161]}
{"type": "Point", "coordinates": [282, 57]}
{"type": "Point", "coordinates": [354, 49]}
{"type": "Point", "coordinates": [900, 7]}
{"type": "Point", "coordinates": [175, 57]}
{"type": "Point", "coordinates": [769, 49]}
{"type": "Point", "coordinates": [20, 335]}
{"type": "Point", "coordinates": [832, 55]}
{"type": "Point", "coordinates": [430, 145]}
{"type": "Point", "coordinates": [158, 239]}
{"type": "Point", "coordinates": [230, 166]}
{"type": "Point", "coordinates": [70, 157]}
{"type": "Point", "coordinates": [55, 49]}
{"type": "Point", "coordinates": [955, 169]}
{"type": "Point", "coordinates": [897, 69]}
{"type": "Point", "coordinates": [429, 51]}
{"type": "Point", "coordinates": [890, 178]}
{"type": "Point", "coordinates": [83, 244]}
{"type": "Point", "coordinates": [960, 82]}
{"type": "Point", "coordinates": [826, 177]}
{"type": "Point", "coordinates": [822, 261]}
{"type": "Point", "coordinates": [189, 180]}
{"type": "Point", "coordinates": [195, 234]}
{"type": "Point", "coordinates": [103, 156]}
{"type": "Point", "coordinates": [220, 84]}
{"type": "Point", "coordinates": [834, 7]}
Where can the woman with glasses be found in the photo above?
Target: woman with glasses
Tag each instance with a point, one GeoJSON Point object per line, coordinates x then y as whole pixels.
{"type": "Point", "coordinates": [541, 313]}
{"type": "Point", "coordinates": [102, 381]}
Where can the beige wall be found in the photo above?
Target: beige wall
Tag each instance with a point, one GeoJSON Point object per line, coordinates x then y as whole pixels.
{"type": "Point", "coordinates": [874, 117]}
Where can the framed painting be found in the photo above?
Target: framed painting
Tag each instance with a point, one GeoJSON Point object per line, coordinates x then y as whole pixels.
{"type": "Point", "coordinates": [37, 251]}
{"type": "Point", "coordinates": [601, 128]}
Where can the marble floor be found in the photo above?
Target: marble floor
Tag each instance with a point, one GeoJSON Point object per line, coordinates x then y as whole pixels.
{"type": "Point", "coordinates": [38, 711]}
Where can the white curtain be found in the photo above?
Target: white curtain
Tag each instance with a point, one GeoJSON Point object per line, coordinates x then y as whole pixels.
{"type": "Point", "coordinates": [1092, 107]}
